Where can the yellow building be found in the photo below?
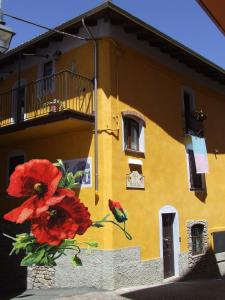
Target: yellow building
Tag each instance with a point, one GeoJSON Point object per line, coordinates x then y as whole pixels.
{"type": "Point", "coordinates": [160, 106]}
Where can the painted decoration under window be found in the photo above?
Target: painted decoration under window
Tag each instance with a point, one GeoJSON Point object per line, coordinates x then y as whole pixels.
{"type": "Point", "coordinates": [200, 154]}
{"type": "Point", "coordinates": [135, 180]}
{"type": "Point", "coordinates": [82, 168]}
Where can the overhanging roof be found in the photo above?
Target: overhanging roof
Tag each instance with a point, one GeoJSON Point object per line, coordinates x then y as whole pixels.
{"type": "Point", "coordinates": [216, 11]}
{"type": "Point", "coordinates": [132, 25]}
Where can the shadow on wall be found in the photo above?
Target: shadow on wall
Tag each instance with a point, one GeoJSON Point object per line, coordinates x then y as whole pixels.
{"type": "Point", "coordinates": [203, 281]}
{"type": "Point", "coordinates": [13, 278]}
{"type": "Point", "coordinates": [157, 94]}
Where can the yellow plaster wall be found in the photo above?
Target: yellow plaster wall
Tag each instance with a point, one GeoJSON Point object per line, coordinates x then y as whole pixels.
{"type": "Point", "coordinates": [130, 81]}
{"type": "Point", "coordinates": [141, 84]}
{"type": "Point", "coordinates": [75, 143]}
{"type": "Point", "coordinates": [72, 145]}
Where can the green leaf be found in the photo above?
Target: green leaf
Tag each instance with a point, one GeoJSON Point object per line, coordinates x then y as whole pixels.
{"type": "Point", "coordinates": [92, 244]}
{"type": "Point", "coordinates": [60, 165]}
{"type": "Point", "coordinates": [67, 243]}
{"type": "Point", "coordinates": [70, 180]}
{"type": "Point", "coordinates": [27, 261]}
{"type": "Point", "coordinates": [62, 183]}
{"type": "Point", "coordinates": [23, 241]}
{"type": "Point", "coordinates": [97, 224]}
{"type": "Point", "coordinates": [77, 261]}
{"type": "Point", "coordinates": [33, 258]}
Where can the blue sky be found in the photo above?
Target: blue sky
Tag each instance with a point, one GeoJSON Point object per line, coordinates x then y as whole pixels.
{"type": "Point", "coordinates": [183, 20]}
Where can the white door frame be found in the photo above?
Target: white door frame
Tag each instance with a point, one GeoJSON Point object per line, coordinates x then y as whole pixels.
{"type": "Point", "coordinates": [168, 209]}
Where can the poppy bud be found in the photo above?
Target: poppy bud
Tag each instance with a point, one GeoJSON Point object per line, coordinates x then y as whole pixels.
{"type": "Point", "coordinates": [117, 211]}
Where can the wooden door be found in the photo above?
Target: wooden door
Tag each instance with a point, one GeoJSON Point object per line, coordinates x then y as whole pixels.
{"type": "Point", "coordinates": [168, 245]}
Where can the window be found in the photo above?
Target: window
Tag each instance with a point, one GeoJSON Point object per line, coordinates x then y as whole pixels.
{"type": "Point", "coordinates": [47, 72]}
{"type": "Point", "coordinates": [197, 239]}
{"type": "Point", "coordinates": [196, 181]}
{"type": "Point", "coordinates": [192, 126]}
{"type": "Point", "coordinates": [133, 132]}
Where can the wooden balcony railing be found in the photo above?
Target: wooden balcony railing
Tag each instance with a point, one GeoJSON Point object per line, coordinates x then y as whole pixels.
{"type": "Point", "coordinates": [62, 91]}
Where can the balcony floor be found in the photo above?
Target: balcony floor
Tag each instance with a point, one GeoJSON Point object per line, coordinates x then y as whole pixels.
{"type": "Point", "coordinates": [51, 124]}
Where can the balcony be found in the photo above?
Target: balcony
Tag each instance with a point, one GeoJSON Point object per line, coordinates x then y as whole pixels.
{"type": "Point", "coordinates": [62, 96]}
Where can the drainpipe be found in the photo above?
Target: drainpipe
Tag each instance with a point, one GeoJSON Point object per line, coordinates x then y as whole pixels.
{"type": "Point", "coordinates": [94, 41]}
{"type": "Point", "coordinates": [18, 100]}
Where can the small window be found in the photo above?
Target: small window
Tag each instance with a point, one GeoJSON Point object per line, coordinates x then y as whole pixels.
{"type": "Point", "coordinates": [13, 162]}
{"type": "Point", "coordinates": [196, 180]}
{"type": "Point", "coordinates": [192, 126]}
{"type": "Point", "coordinates": [48, 69]}
{"type": "Point", "coordinates": [133, 134]}
{"type": "Point", "coordinates": [47, 72]}
{"type": "Point", "coordinates": [197, 239]}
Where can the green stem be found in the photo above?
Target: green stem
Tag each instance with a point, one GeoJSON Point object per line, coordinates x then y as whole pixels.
{"type": "Point", "coordinates": [128, 236]}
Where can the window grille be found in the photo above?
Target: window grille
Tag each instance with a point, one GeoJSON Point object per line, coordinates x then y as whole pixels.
{"type": "Point", "coordinates": [197, 239]}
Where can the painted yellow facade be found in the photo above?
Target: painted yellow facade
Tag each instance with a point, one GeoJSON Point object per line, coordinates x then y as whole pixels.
{"type": "Point", "coordinates": [131, 80]}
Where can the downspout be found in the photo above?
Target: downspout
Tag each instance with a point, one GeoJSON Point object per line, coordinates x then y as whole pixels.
{"type": "Point", "coordinates": [95, 80]}
{"type": "Point", "coordinates": [18, 100]}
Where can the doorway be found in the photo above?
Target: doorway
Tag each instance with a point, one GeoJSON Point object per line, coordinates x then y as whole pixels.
{"type": "Point", "coordinates": [169, 240]}
{"type": "Point", "coordinates": [168, 245]}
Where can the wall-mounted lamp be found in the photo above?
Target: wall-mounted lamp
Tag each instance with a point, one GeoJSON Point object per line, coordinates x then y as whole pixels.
{"type": "Point", "coordinates": [6, 33]}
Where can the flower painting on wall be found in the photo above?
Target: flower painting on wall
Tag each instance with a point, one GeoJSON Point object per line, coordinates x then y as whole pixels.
{"type": "Point", "coordinates": [56, 215]}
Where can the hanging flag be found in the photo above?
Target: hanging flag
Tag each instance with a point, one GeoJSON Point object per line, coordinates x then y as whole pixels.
{"type": "Point", "coordinates": [200, 154]}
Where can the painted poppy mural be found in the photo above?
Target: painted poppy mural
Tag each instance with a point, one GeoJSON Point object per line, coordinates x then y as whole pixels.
{"type": "Point", "coordinates": [55, 213]}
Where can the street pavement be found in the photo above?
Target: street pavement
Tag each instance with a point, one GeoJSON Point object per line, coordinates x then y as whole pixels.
{"type": "Point", "coordinates": [207, 289]}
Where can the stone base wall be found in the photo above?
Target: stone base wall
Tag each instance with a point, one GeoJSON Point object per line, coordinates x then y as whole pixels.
{"type": "Point", "coordinates": [183, 264]}
{"type": "Point", "coordinates": [110, 270]}
{"type": "Point", "coordinates": [40, 277]}
{"type": "Point", "coordinates": [101, 269]}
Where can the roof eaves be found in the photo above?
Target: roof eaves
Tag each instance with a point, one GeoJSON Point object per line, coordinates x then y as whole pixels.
{"type": "Point", "coordinates": [109, 5]}
{"type": "Point", "coordinates": [61, 27]}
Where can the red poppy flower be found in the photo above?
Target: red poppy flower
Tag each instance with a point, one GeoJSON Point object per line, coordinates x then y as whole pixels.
{"type": "Point", "coordinates": [34, 206]}
{"type": "Point", "coordinates": [61, 221]}
{"type": "Point", "coordinates": [117, 211]}
{"type": "Point", "coordinates": [37, 179]}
